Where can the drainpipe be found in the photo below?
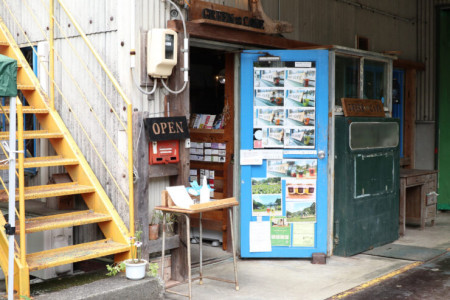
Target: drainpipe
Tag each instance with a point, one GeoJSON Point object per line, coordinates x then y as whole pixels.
{"type": "Point", "coordinates": [12, 194]}
{"type": "Point", "coordinates": [43, 53]}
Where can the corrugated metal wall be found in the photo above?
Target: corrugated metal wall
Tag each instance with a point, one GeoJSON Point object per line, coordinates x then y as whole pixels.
{"type": "Point", "coordinates": [404, 25]}
{"type": "Point", "coordinates": [99, 19]}
{"type": "Point", "coordinates": [152, 14]}
{"type": "Point", "coordinates": [389, 25]}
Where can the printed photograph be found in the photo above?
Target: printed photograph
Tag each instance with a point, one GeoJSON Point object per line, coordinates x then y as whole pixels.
{"type": "Point", "coordinates": [300, 98]}
{"type": "Point", "coordinates": [300, 138]}
{"type": "Point", "coordinates": [270, 185]}
{"type": "Point", "coordinates": [292, 168]}
{"type": "Point", "coordinates": [268, 117]}
{"type": "Point", "coordinates": [301, 189]}
{"type": "Point", "coordinates": [268, 97]}
{"type": "Point", "coordinates": [276, 138]}
{"type": "Point", "coordinates": [300, 117]}
{"type": "Point", "coordinates": [269, 77]}
{"type": "Point", "coordinates": [301, 211]}
{"type": "Point", "coordinates": [301, 78]}
{"type": "Point", "coordinates": [267, 205]}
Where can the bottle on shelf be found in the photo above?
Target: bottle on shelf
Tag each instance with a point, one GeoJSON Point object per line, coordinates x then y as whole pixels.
{"type": "Point", "coordinates": [204, 191]}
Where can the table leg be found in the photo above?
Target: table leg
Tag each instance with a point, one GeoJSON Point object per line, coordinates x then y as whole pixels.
{"type": "Point", "coordinates": [402, 206]}
{"type": "Point", "coordinates": [233, 248]}
{"type": "Point", "coordinates": [163, 248]}
{"type": "Point", "coordinates": [201, 249]}
{"type": "Point", "coordinates": [423, 199]}
{"type": "Point", "coordinates": [188, 245]}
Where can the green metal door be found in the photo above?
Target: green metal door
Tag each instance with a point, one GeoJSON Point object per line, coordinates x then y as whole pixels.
{"type": "Point", "coordinates": [366, 197]}
{"type": "Point", "coordinates": [444, 110]}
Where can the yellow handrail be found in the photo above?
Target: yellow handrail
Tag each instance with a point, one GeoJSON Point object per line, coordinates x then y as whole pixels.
{"type": "Point", "coordinates": [117, 87]}
{"type": "Point", "coordinates": [129, 107]}
{"type": "Point", "coordinates": [52, 54]}
{"type": "Point", "coordinates": [66, 37]}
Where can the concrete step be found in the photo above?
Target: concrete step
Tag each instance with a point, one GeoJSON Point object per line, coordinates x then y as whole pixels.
{"type": "Point", "coordinates": [118, 287]}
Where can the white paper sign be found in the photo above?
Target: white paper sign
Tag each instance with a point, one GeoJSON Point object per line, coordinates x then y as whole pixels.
{"type": "Point", "coordinates": [270, 154]}
{"type": "Point", "coordinates": [260, 237]}
{"type": "Point", "coordinates": [180, 196]}
{"type": "Point", "coordinates": [250, 157]}
{"type": "Point", "coordinates": [302, 152]}
{"type": "Point", "coordinates": [303, 64]}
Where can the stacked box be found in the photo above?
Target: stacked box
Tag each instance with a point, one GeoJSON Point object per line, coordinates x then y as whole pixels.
{"type": "Point", "coordinates": [215, 152]}
{"type": "Point", "coordinates": [193, 175]}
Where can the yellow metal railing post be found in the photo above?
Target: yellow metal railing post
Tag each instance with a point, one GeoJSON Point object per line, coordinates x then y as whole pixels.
{"type": "Point", "coordinates": [21, 182]}
{"type": "Point", "coordinates": [130, 168]}
{"type": "Point", "coordinates": [52, 54]}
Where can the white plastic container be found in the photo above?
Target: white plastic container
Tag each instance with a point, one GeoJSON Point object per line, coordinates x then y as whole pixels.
{"type": "Point", "coordinates": [204, 192]}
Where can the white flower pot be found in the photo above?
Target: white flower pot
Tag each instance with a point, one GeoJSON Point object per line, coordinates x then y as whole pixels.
{"type": "Point", "coordinates": [135, 271]}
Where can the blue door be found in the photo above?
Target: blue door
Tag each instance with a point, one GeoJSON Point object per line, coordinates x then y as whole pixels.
{"type": "Point", "coordinates": [284, 145]}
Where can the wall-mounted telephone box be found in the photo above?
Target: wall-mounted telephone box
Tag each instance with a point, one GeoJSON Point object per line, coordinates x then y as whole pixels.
{"type": "Point", "coordinates": [165, 135]}
{"type": "Point", "coordinates": [162, 48]}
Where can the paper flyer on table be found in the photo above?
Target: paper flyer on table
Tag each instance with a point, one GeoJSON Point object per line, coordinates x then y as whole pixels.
{"type": "Point", "coordinates": [260, 237]}
{"type": "Point", "coordinates": [180, 196]}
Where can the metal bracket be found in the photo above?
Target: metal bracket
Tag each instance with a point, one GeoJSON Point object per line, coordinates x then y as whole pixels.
{"type": "Point", "coordinates": [10, 230]}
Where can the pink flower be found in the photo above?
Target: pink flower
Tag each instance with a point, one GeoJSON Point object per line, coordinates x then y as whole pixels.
{"type": "Point", "coordinates": [138, 244]}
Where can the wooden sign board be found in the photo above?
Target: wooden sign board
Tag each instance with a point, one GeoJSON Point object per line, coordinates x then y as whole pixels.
{"type": "Point", "coordinates": [362, 107]}
{"type": "Point", "coordinates": [166, 128]}
{"type": "Point", "coordinates": [254, 19]}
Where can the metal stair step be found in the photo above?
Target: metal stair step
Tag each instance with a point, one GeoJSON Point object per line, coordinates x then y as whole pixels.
{"type": "Point", "coordinates": [65, 255]}
{"type": "Point", "coordinates": [51, 190]}
{"type": "Point", "coordinates": [46, 161]}
{"type": "Point", "coordinates": [34, 134]}
{"type": "Point", "coordinates": [50, 222]}
{"type": "Point", "coordinates": [25, 87]}
{"type": "Point", "coordinates": [27, 110]}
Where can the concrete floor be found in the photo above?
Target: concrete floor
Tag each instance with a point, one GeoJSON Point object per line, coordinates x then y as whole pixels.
{"type": "Point", "coordinates": [299, 279]}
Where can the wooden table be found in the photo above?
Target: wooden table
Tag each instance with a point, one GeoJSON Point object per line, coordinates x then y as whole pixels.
{"type": "Point", "coordinates": [418, 197]}
{"type": "Point", "coordinates": [227, 203]}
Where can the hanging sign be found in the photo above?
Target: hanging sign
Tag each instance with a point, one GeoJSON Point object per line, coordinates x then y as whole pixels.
{"type": "Point", "coordinates": [254, 19]}
{"type": "Point", "coordinates": [362, 107]}
{"type": "Point", "coordinates": [167, 128]}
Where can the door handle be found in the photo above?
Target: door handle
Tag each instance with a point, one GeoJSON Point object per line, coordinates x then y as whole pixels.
{"type": "Point", "coordinates": [321, 154]}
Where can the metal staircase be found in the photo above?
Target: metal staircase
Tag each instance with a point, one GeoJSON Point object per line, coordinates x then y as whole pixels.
{"type": "Point", "coordinates": [84, 183]}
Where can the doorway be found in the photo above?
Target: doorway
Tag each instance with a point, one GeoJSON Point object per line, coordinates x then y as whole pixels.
{"type": "Point", "coordinates": [212, 141]}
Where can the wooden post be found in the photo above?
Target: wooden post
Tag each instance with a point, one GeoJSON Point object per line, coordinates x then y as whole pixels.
{"type": "Point", "coordinates": [140, 156]}
{"type": "Point", "coordinates": [179, 106]}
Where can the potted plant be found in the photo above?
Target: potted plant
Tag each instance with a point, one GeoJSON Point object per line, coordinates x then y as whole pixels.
{"type": "Point", "coordinates": [153, 227]}
{"type": "Point", "coordinates": [135, 267]}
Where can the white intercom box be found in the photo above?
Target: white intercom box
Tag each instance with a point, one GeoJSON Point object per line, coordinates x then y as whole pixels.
{"type": "Point", "coordinates": [161, 52]}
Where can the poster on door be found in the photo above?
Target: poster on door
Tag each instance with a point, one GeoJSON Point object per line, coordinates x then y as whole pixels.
{"type": "Point", "coordinates": [284, 107]}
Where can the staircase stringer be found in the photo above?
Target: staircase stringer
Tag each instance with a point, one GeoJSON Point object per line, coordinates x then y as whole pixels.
{"type": "Point", "coordinates": [67, 147]}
